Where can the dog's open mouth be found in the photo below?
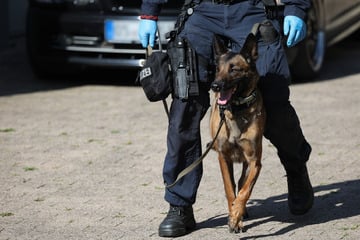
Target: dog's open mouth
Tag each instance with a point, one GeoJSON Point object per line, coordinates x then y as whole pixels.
{"type": "Point", "coordinates": [225, 96]}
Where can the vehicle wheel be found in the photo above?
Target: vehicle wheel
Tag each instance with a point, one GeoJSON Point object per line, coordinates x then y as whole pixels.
{"type": "Point", "coordinates": [308, 56]}
{"type": "Point", "coordinates": [44, 61]}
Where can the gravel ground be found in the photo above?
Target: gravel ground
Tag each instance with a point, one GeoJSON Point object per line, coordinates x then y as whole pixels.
{"type": "Point", "coordinates": [83, 159]}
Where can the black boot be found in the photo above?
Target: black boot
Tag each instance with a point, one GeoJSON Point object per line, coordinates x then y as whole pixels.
{"type": "Point", "coordinates": [178, 222]}
{"type": "Point", "coordinates": [301, 195]}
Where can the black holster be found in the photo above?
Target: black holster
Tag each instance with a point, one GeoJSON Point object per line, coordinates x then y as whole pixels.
{"type": "Point", "coordinates": [184, 68]}
{"type": "Point", "coordinates": [183, 58]}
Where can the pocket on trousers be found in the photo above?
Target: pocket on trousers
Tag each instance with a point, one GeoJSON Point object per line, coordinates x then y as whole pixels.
{"type": "Point", "coordinates": [272, 59]}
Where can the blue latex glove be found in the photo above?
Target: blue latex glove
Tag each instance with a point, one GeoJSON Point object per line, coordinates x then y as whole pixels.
{"type": "Point", "coordinates": [147, 32]}
{"type": "Point", "coordinates": [295, 27]}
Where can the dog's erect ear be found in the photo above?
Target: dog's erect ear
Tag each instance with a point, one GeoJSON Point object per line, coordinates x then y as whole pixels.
{"type": "Point", "coordinates": [249, 50]}
{"type": "Point", "coordinates": [219, 46]}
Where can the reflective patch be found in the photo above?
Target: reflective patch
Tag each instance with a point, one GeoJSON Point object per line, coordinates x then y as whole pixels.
{"type": "Point", "coordinates": [146, 72]}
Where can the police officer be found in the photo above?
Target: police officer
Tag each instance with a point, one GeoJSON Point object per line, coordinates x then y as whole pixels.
{"type": "Point", "coordinates": [232, 19]}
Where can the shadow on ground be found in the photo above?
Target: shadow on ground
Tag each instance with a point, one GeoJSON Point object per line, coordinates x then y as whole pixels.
{"type": "Point", "coordinates": [332, 202]}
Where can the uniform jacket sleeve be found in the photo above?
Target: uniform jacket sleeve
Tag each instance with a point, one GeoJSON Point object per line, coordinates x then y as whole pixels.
{"type": "Point", "coordinates": [152, 7]}
{"type": "Point", "coordinates": [296, 7]}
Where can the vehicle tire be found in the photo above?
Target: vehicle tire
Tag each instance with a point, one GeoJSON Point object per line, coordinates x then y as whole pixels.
{"type": "Point", "coordinates": [44, 61]}
{"type": "Point", "coordinates": [306, 59]}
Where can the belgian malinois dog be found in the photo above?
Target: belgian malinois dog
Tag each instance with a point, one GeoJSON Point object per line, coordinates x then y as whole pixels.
{"type": "Point", "coordinates": [238, 101]}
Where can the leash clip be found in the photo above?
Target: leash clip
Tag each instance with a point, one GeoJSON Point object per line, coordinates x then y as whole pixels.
{"type": "Point", "coordinates": [222, 109]}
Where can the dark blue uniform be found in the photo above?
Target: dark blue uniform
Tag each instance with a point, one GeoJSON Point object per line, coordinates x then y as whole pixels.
{"type": "Point", "coordinates": [234, 22]}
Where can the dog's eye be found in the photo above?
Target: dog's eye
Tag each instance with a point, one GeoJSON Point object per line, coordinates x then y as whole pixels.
{"type": "Point", "coordinates": [235, 69]}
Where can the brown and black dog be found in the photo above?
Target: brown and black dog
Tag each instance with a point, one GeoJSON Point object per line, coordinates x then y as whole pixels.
{"type": "Point", "coordinates": [238, 99]}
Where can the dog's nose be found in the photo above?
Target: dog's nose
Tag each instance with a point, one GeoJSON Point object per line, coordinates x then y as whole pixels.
{"type": "Point", "coordinates": [216, 86]}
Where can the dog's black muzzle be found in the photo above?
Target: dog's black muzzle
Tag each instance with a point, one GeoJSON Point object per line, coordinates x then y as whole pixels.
{"type": "Point", "coordinates": [217, 86]}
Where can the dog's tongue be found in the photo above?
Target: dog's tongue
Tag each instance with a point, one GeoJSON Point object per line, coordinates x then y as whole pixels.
{"type": "Point", "coordinates": [224, 97]}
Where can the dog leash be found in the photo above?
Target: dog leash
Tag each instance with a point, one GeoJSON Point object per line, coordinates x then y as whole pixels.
{"type": "Point", "coordinates": [200, 159]}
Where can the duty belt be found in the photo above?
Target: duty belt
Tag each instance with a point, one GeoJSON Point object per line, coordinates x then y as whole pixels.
{"type": "Point", "coordinates": [225, 2]}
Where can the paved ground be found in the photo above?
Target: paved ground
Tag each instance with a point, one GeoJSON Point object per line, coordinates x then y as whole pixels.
{"type": "Point", "coordinates": [82, 160]}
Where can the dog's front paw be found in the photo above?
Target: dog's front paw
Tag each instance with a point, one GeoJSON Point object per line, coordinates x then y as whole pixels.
{"type": "Point", "coordinates": [236, 216]}
{"type": "Point", "coordinates": [235, 225]}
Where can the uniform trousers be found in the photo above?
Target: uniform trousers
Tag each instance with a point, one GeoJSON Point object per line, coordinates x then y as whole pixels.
{"type": "Point", "coordinates": [233, 22]}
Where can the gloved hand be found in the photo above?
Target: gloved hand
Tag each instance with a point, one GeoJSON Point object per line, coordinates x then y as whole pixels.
{"type": "Point", "coordinates": [297, 28]}
{"type": "Point", "coordinates": [147, 32]}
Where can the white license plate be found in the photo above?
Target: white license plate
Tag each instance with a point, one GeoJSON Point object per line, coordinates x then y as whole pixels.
{"type": "Point", "coordinates": [126, 31]}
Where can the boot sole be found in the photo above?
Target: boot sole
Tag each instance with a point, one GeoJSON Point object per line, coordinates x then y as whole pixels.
{"type": "Point", "coordinates": [172, 232]}
{"type": "Point", "coordinates": [177, 232]}
{"type": "Point", "coordinates": [302, 211]}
